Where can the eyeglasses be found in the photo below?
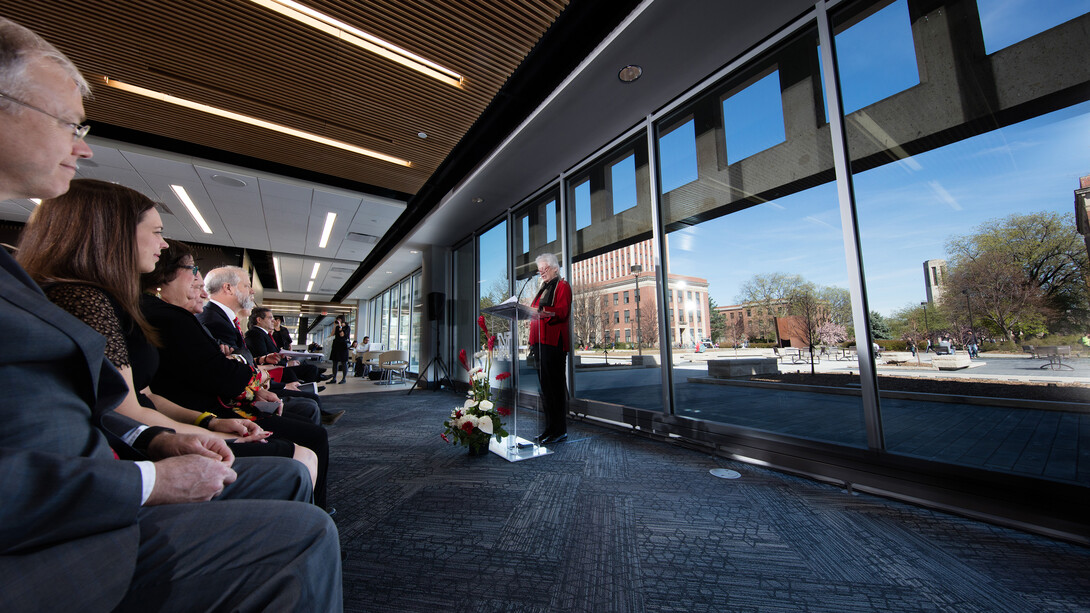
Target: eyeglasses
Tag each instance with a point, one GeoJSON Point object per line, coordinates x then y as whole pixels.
{"type": "Point", "coordinates": [196, 269]}
{"type": "Point", "coordinates": [78, 131]}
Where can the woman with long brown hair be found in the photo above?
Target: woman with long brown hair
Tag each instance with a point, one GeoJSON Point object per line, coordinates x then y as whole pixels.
{"type": "Point", "coordinates": [87, 249]}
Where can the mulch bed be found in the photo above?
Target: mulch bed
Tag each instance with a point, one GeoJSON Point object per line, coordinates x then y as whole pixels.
{"type": "Point", "coordinates": [1052, 392]}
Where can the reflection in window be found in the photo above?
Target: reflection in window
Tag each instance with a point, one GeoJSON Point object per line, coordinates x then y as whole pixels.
{"type": "Point", "coordinates": [624, 184]}
{"type": "Point", "coordinates": [753, 118]}
{"type": "Point", "coordinates": [678, 156]}
{"type": "Point", "coordinates": [1006, 22]}
{"type": "Point", "coordinates": [550, 221]}
{"type": "Point", "coordinates": [876, 57]}
{"type": "Point", "coordinates": [582, 205]}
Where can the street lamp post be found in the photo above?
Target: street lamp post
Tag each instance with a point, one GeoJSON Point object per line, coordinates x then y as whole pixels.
{"type": "Point", "coordinates": [636, 269]}
{"type": "Point", "coordinates": [926, 327]}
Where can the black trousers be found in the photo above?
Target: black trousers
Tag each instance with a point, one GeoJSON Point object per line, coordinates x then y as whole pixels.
{"type": "Point", "coordinates": [554, 389]}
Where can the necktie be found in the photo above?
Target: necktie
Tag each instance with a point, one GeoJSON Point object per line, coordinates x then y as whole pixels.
{"type": "Point", "coordinates": [238, 327]}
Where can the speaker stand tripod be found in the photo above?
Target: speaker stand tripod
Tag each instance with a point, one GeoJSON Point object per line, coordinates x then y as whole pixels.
{"type": "Point", "coordinates": [437, 362]}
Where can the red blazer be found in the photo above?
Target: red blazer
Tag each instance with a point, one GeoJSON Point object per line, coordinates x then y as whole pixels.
{"type": "Point", "coordinates": [554, 330]}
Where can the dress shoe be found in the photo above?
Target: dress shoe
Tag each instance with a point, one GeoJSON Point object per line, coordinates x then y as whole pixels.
{"type": "Point", "coordinates": [554, 438]}
{"type": "Point", "coordinates": [331, 418]}
{"type": "Point", "coordinates": [341, 381]}
{"type": "Point", "coordinates": [320, 388]}
{"type": "Point", "coordinates": [325, 377]}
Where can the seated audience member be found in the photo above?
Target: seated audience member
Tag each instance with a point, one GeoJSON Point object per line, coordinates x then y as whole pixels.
{"type": "Point", "coordinates": [262, 345]}
{"type": "Point", "coordinates": [193, 370]}
{"type": "Point", "coordinates": [280, 333]}
{"type": "Point", "coordinates": [95, 275]}
{"type": "Point", "coordinates": [80, 528]}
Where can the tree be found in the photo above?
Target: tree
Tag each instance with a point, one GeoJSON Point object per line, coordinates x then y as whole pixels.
{"type": "Point", "coordinates": [587, 309]}
{"type": "Point", "coordinates": [648, 325]}
{"type": "Point", "coordinates": [809, 315]}
{"type": "Point", "coordinates": [1006, 300]}
{"type": "Point", "coordinates": [838, 304]}
{"type": "Point", "coordinates": [1043, 249]}
{"type": "Point", "coordinates": [718, 321]}
{"type": "Point", "coordinates": [879, 327]}
{"type": "Point", "coordinates": [769, 294]}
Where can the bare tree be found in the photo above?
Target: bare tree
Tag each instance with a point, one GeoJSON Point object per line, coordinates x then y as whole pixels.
{"type": "Point", "coordinates": [769, 293]}
{"type": "Point", "coordinates": [587, 313]}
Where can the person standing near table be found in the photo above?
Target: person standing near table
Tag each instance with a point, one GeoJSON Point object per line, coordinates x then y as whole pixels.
{"type": "Point", "coordinates": [550, 337]}
{"type": "Point", "coordinates": [338, 353]}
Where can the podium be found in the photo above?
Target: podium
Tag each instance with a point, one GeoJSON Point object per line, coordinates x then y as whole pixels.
{"type": "Point", "coordinates": [513, 448]}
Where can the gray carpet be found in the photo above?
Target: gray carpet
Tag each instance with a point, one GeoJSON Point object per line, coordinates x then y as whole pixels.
{"type": "Point", "coordinates": [614, 522]}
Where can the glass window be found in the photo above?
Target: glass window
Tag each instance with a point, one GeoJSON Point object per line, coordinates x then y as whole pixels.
{"type": "Point", "coordinates": [753, 118]}
{"type": "Point", "coordinates": [677, 150]}
{"type": "Point", "coordinates": [404, 316]}
{"type": "Point", "coordinates": [542, 214]}
{"type": "Point", "coordinates": [607, 243]}
{"type": "Point", "coordinates": [1006, 22]}
{"type": "Point", "coordinates": [623, 175]}
{"type": "Point", "coordinates": [626, 316]}
{"type": "Point", "coordinates": [494, 286]}
{"type": "Point", "coordinates": [876, 56]}
{"type": "Point", "coordinates": [963, 199]}
{"type": "Point", "coordinates": [774, 214]}
{"type": "Point", "coordinates": [417, 316]}
{"type": "Point", "coordinates": [384, 321]}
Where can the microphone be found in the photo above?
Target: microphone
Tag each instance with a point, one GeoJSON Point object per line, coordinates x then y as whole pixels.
{"type": "Point", "coordinates": [524, 284]}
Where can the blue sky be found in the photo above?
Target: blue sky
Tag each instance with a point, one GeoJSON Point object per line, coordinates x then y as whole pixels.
{"type": "Point", "coordinates": [908, 209]}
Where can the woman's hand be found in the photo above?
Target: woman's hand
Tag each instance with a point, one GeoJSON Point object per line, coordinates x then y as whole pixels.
{"type": "Point", "coordinates": [245, 430]}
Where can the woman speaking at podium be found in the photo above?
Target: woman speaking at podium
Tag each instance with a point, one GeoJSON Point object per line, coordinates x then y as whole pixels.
{"type": "Point", "coordinates": [549, 340]}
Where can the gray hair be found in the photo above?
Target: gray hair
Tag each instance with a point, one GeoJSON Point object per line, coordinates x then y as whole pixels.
{"type": "Point", "coordinates": [19, 47]}
{"type": "Point", "coordinates": [214, 280]}
{"type": "Point", "coordinates": [550, 260]}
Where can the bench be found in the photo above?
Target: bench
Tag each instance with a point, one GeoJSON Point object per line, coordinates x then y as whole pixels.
{"type": "Point", "coordinates": [1055, 356]}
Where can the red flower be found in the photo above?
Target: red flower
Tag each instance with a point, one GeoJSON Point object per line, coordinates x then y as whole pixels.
{"type": "Point", "coordinates": [458, 414]}
{"type": "Point", "coordinates": [462, 358]}
{"type": "Point", "coordinates": [503, 411]}
{"type": "Point", "coordinates": [491, 343]}
{"type": "Point", "coordinates": [484, 327]}
{"type": "Point", "coordinates": [445, 437]}
{"type": "Point", "coordinates": [468, 427]}
{"type": "Point", "coordinates": [502, 376]}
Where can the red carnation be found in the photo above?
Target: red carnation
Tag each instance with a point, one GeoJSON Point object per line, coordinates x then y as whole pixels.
{"type": "Point", "coordinates": [502, 376]}
{"type": "Point", "coordinates": [462, 358]}
{"type": "Point", "coordinates": [484, 327]}
{"type": "Point", "coordinates": [503, 411]}
{"type": "Point", "coordinates": [468, 427]}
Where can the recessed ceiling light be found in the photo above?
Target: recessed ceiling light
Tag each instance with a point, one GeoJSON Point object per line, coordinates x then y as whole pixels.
{"type": "Point", "coordinates": [183, 195]}
{"type": "Point", "coordinates": [630, 73]}
{"type": "Point", "coordinates": [310, 285]}
{"type": "Point", "coordinates": [413, 251]}
{"type": "Point", "coordinates": [329, 219]}
{"type": "Point", "coordinates": [306, 296]}
{"type": "Point", "coordinates": [389, 272]}
{"type": "Point", "coordinates": [276, 269]}
{"type": "Point", "coordinates": [422, 134]}
{"type": "Point", "coordinates": [478, 200]}
{"type": "Point", "coordinates": [314, 272]}
{"type": "Point", "coordinates": [253, 121]}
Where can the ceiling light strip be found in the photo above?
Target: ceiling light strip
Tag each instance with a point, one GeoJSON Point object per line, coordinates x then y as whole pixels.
{"type": "Point", "coordinates": [276, 269]}
{"type": "Point", "coordinates": [317, 265]}
{"type": "Point", "coordinates": [253, 121]}
{"type": "Point", "coordinates": [352, 35]}
{"type": "Point", "coordinates": [329, 219]}
{"type": "Point", "coordinates": [183, 195]}
{"type": "Point", "coordinates": [310, 285]}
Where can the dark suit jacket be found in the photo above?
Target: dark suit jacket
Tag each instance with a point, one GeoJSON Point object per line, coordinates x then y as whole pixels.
{"type": "Point", "coordinates": [68, 520]}
{"type": "Point", "coordinates": [221, 327]}
{"type": "Point", "coordinates": [192, 370]}
{"type": "Point", "coordinates": [259, 342]}
{"type": "Point", "coordinates": [283, 339]}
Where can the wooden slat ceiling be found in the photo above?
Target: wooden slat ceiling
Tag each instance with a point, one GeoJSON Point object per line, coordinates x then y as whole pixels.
{"type": "Point", "coordinates": [238, 56]}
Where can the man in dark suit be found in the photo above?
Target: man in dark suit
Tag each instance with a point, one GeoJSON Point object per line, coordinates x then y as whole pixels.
{"type": "Point", "coordinates": [78, 527]}
{"type": "Point", "coordinates": [229, 292]}
{"type": "Point", "coordinates": [260, 342]}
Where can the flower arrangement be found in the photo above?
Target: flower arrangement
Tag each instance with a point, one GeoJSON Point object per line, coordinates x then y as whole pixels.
{"type": "Point", "coordinates": [478, 419]}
